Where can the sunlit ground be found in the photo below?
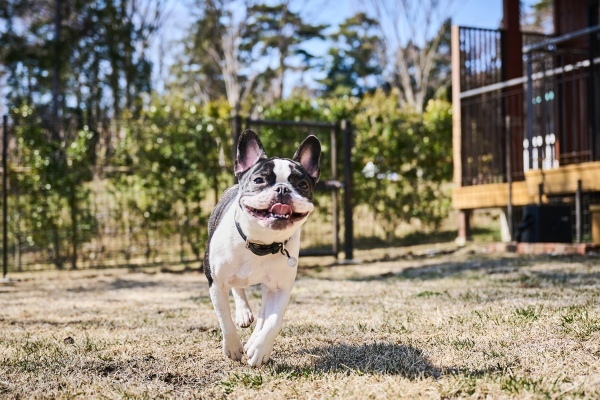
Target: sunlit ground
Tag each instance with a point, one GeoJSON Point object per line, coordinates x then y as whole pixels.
{"type": "Point", "coordinates": [430, 322]}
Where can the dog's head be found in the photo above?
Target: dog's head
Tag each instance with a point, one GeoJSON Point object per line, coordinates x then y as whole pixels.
{"type": "Point", "coordinates": [276, 192]}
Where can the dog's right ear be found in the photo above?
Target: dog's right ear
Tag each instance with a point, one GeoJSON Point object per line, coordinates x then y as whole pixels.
{"type": "Point", "coordinates": [249, 151]}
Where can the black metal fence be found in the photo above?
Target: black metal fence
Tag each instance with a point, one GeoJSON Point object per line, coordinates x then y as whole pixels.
{"type": "Point", "coordinates": [563, 100]}
{"type": "Point", "coordinates": [489, 137]}
{"type": "Point", "coordinates": [553, 110]}
{"type": "Point", "coordinates": [145, 197]}
{"type": "Point", "coordinates": [482, 50]}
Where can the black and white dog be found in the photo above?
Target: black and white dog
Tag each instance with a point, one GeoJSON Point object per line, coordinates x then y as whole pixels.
{"type": "Point", "coordinates": [254, 237]}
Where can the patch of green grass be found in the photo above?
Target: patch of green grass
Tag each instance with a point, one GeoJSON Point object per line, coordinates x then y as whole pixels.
{"type": "Point", "coordinates": [304, 329]}
{"type": "Point", "coordinates": [576, 321]}
{"type": "Point", "coordinates": [529, 313]}
{"type": "Point", "coordinates": [461, 385]}
{"type": "Point", "coordinates": [470, 296]}
{"type": "Point", "coordinates": [246, 380]}
{"type": "Point", "coordinates": [519, 384]}
{"type": "Point", "coordinates": [89, 345]}
{"type": "Point", "coordinates": [287, 372]}
{"type": "Point", "coordinates": [31, 355]}
{"type": "Point", "coordinates": [494, 354]}
{"type": "Point", "coordinates": [428, 293]}
{"type": "Point", "coordinates": [463, 344]}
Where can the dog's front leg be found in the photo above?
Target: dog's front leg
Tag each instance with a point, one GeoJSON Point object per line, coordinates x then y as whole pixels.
{"type": "Point", "coordinates": [270, 318]}
{"type": "Point", "coordinates": [243, 313]}
{"type": "Point", "coordinates": [232, 346]}
{"type": "Point", "coordinates": [261, 318]}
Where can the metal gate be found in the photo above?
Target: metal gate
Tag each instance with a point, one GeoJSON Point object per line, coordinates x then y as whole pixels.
{"type": "Point", "coordinates": [321, 233]}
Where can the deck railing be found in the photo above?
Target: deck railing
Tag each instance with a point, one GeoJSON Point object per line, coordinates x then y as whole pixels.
{"type": "Point", "coordinates": [563, 99]}
{"type": "Point", "coordinates": [546, 118]}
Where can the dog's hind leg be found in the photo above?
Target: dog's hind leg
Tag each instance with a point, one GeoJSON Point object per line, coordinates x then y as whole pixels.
{"type": "Point", "coordinates": [243, 313]}
{"type": "Point", "coordinates": [232, 346]}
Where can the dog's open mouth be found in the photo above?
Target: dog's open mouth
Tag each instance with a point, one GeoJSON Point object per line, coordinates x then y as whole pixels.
{"type": "Point", "coordinates": [277, 211]}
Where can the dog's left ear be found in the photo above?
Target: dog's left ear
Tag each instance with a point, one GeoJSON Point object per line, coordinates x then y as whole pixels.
{"type": "Point", "coordinates": [309, 156]}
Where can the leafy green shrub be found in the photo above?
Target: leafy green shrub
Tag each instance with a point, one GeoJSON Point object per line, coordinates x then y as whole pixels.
{"type": "Point", "coordinates": [177, 153]}
{"type": "Point", "coordinates": [51, 209]}
{"type": "Point", "coordinates": [401, 160]}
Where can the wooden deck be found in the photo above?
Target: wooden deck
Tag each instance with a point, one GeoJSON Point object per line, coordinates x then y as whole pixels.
{"type": "Point", "coordinates": [558, 181]}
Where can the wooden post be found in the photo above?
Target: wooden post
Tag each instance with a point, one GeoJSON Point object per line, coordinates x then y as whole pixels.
{"type": "Point", "coordinates": [464, 227]}
{"type": "Point", "coordinates": [512, 60]}
{"type": "Point", "coordinates": [512, 67]}
{"type": "Point", "coordinates": [456, 108]}
{"type": "Point", "coordinates": [464, 216]}
{"type": "Point", "coordinates": [579, 213]}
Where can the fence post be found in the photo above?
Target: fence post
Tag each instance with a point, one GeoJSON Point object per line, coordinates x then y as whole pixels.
{"type": "Point", "coordinates": [4, 196]}
{"type": "Point", "coordinates": [509, 208]}
{"type": "Point", "coordinates": [335, 191]}
{"type": "Point", "coordinates": [579, 213]}
{"type": "Point", "coordinates": [348, 186]}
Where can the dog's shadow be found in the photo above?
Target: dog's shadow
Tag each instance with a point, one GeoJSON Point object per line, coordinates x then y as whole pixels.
{"type": "Point", "coordinates": [369, 358]}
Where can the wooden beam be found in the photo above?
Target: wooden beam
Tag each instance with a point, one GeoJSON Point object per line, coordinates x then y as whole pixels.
{"type": "Point", "coordinates": [492, 195]}
{"type": "Point", "coordinates": [564, 179]}
{"type": "Point", "coordinates": [558, 181]}
{"type": "Point", "coordinates": [456, 108]}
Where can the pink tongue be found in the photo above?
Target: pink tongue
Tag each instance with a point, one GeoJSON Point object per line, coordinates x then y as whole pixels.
{"type": "Point", "coordinates": [281, 209]}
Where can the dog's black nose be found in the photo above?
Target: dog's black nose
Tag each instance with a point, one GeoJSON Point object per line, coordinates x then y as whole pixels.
{"type": "Point", "coordinates": [281, 189]}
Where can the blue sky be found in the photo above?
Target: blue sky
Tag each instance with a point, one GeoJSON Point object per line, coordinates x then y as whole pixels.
{"type": "Point", "coordinates": [478, 13]}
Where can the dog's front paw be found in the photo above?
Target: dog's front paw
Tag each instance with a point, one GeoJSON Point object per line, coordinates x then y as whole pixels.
{"type": "Point", "coordinates": [258, 354]}
{"type": "Point", "coordinates": [243, 317]}
{"type": "Point", "coordinates": [232, 347]}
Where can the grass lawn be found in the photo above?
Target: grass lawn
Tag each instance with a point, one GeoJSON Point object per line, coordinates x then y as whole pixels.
{"type": "Point", "coordinates": [464, 324]}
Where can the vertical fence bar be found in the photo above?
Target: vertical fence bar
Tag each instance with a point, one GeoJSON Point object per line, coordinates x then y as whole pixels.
{"type": "Point", "coordinates": [4, 196]}
{"type": "Point", "coordinates": [348, 186]}
{"type": "Point", "coordinates": [509, 209]}
{"type": "Point", "coordinates": [335, 192]}
{"type": "Point", "coordinates": [579, 213]}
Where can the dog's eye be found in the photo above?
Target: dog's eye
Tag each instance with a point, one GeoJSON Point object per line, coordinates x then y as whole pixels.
{"type": "Point", "coordinates": [259, 180]}
{"type": "Point", "coordinates": [303, 185]}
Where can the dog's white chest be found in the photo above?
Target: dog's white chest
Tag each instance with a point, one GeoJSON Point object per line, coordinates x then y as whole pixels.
{"type": "Point", "coordinates": [251, 273]}
{"type": "Point", "coordinates": [236, 266]}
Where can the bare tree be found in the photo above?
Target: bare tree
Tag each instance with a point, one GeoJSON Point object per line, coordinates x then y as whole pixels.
{"type": "Point", "coordinates": [412, 34]}
{"type": "Point", "coordinates": [215, 60]}
{"type": "Point", "coordinates": [226, 55]}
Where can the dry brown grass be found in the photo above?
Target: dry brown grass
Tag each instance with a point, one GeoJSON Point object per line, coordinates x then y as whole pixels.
{"type": "Point", "coordinates": [458, 325]}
